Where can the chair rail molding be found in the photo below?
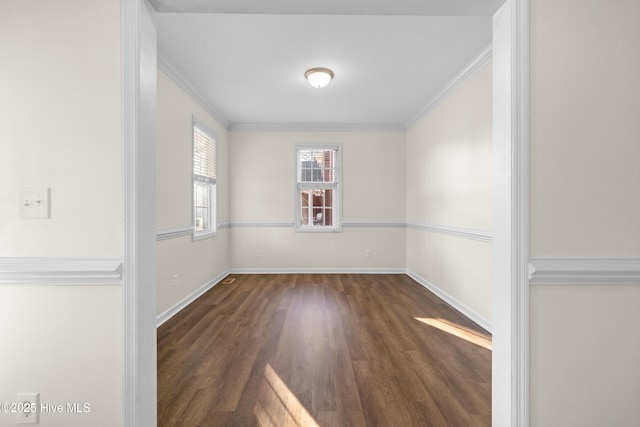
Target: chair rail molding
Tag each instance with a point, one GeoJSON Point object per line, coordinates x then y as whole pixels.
{"type": "Point", "coordinates": [174, 232]}
{"type": "Point", "coordinates": [60, 271]}
{"type": "Point", "coordinates": [584, 271]}
{"type": "Point", "coordinates": [466, 233]}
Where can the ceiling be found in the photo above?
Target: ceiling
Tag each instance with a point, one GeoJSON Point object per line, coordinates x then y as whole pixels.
{"type": "Point", "coordinates": [246, 60]}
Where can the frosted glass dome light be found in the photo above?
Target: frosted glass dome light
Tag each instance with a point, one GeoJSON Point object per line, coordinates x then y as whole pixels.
{"type": "Point", "coordinates": [319, 76]}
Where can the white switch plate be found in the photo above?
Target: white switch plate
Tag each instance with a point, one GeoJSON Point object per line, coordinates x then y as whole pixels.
{"type": "Point", "coordinates": [33, 203]}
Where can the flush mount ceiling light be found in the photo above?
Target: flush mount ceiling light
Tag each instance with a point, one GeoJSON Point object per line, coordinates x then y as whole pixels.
{"type": "Point", "coordinates": [319, 76]}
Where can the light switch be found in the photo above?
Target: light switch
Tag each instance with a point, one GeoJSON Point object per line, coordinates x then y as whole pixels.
{"type": "Point", "coordinates": [33, 203]}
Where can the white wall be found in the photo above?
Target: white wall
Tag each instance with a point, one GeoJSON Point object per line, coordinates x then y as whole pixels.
{"type": "Point", "coordinates": [448, 168]}
{"type": "Point", "coordinates": [262, 184]}
{"type": "Point", "coordinates": [64, 342]}
{"type": "Point", "coordinates": [60, 129]}
{"type": "Point", "coordinates": [60, 104]}
{"type": "Point", "coordinates": [195, 263]}
{"type": "Point", "coordinates": [585, 345]}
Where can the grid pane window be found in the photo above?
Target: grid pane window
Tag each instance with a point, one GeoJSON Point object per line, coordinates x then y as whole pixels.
{"type": "Point", "coordinates": [317, 187]}
{"type": "Point", "coordinates": [204, 180]}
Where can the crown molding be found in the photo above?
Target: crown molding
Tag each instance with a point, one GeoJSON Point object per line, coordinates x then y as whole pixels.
{"type": "Point", "coordinates": [189, 89]}
{"type": "Point", "coordinates": [315, 127]}
{"type": "Point", "coordinates": [60, 271]}
{"type": "Point", "coordinates": [482, 59]}
{"type": "Point", "coordinates": [584, 271]}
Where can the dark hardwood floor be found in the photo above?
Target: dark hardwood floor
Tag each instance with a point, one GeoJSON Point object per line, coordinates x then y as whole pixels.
{"type": "Point", "coordinates": [322, 350]}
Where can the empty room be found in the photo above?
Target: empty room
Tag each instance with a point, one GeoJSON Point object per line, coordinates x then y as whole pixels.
{"type": "Point", "coordinates": [292, 213]}
{"type": "Point", "coordinates": [328, 208]}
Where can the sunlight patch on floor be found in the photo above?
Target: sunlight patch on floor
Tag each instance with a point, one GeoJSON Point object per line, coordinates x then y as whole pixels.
{"type": "Point", "coordinates": [277, 406]}
{"type": "Point", "coordinates": [458, 331]}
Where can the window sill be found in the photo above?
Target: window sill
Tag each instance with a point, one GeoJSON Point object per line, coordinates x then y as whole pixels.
{"type": "Point", "coordinates": [318, 229]}
{"type": "Point", "coordinates": [202, 235]}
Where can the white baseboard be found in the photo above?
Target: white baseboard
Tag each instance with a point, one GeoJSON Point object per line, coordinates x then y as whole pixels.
{"type": "Point", "coordinates": [176, 308]}
{"type": "Point", "coordinates": [462, 308]}
{"type": "Point", "coordinates": [318, 271]}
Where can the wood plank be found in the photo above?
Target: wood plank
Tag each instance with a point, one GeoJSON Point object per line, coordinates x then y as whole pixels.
{"type": "Point", "coordinates": [326, 350]}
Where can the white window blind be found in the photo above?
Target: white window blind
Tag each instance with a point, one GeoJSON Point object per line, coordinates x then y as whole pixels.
{"type": "Point", "coordinates": [204, 158]}
{"type": "Point", "coordinates": [204, 181]}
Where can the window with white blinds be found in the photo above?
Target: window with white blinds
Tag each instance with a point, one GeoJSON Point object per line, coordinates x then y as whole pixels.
{"type": "Point", "coordinates": [204, 180]}
{"type": "Point", "coordinates": [204, 155]}
{"type": "Point", "coordinates": [317, 201]}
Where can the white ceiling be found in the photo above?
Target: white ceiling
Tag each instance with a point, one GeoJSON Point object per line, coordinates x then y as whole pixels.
{"type": "Point", "coordinates": [249, 65]}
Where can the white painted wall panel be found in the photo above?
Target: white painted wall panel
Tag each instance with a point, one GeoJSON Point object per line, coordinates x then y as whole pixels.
{"type": "Point", "coordinates": [585, 356]}
{"type": "Point", "coordinates": [585, 104]}
{"type": "Point", "coordinates": [449, 184]}
{"type": "Point", "coordinates": [198, 262]}
{"type": "Point", "coordinates": [263, 183]}
{"type": "Point", "coordinates": [585, 203]}
{"type": "Point", "coordinates": [282, 248]}
{"type": "Point", "coordinates": [64, 342]}
{"type": "Point", "coordinates": [60, 128]}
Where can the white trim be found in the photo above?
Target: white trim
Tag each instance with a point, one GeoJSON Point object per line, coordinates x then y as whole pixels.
{"type": "Point", "coordinates": [520, 206]}
{"type": "Point", "coordinates": [184, 302]}
{"type": "Point", "coordinates": [129, 56]}
{"type": "Point", "coordinates": [315, 127]}
{"type": "Point", "coordinates": [510, 362]}
{"type": "Point", "coordinates": [363, 270]}
{"type": "Point", "coordinates": [585, 271]}
{"type": "Point", "coordinates": [173, 232]}
{"type": "Point", "coordinates": [482, 59]}
{"type": "Point", "coordinates": [60, 271]}
{"type": "Point", "coordinates": [189, 89]}
{"type": "Point", "coordinates": [374, 224]}
{"type": "Point", "coordinates": [203, 235]}
{"type": "Point", "coordinates": [255, 224]}
{"type": "Point", "coordinates": [462, 308]}
{"type": "Point", "coordinates": [139, 68]}
{"type": "Point", "coordinates": [466, 233]}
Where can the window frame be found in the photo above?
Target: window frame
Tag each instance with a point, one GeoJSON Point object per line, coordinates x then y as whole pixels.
{"type": "Point", "coordinates": [212, 187]}
{"type": "Point", "coordinates": [337, 190]}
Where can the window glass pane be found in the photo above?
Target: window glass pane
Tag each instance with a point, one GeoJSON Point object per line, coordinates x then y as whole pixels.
{"type": "Point", "coordinates": [328, 198]}
{"type": "Point", "coordinates": [201, 206]}
{"type": "Point", "coordinates": [316, 165]}
{"type": "Point", "coordinates": [304, 213]}
{"type": "Point", "coordinates": [328, 216]}
{"type": "Point", "coordinates": [318, 181]}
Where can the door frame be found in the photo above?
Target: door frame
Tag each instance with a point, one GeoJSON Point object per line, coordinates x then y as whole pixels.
{"type": "Point", "coordinates": [510, 371]}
